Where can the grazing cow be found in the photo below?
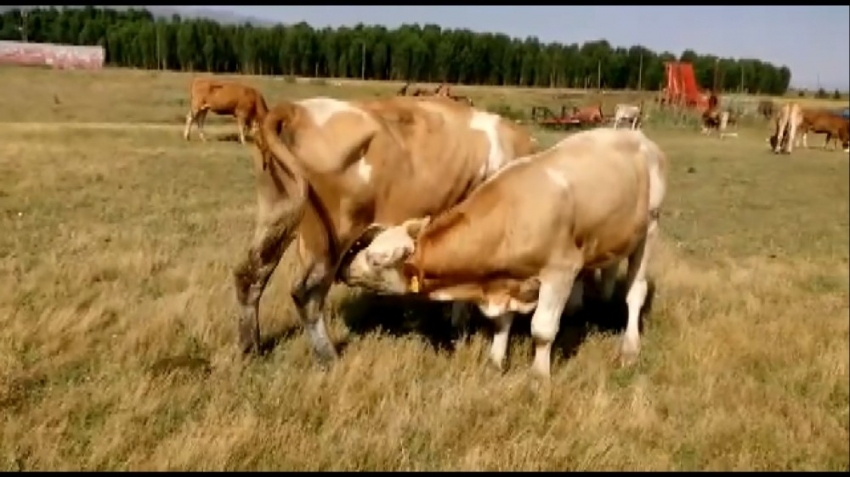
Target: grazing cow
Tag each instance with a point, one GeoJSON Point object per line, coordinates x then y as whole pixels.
{"type": "Point", "coordinates": [328, 168]}
{"type": "Point", "coordinates": [589, 114]}
{"type": "Point", "coordinates": [825, 122]}
{"type": "Point", "coordinates": [766, 108]}
{"type": "Point", "coordinates": [596, 201]}
{"type": "Point", "coordinates": [793, 119]}
{"type": "Point", "coordinates": [225, 98]}
{"type": "Point", "coordinates": [628, 112]}
{"type": "Point", "coordinates": [717, 120]}
{"type": "Point", "coordinates": [785, 128]}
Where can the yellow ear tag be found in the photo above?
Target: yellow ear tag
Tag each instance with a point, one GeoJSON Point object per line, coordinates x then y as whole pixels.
{"type": "Point", "coordinates": [414, 284]}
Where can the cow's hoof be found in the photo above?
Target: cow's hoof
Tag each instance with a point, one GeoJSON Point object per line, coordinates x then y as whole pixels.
{"type": "Point", "coordinates": [325, 357]}
{"type": "Point", "coordinates": [628, 358]}
{"type": "Point", "coordinates": [492, 368]}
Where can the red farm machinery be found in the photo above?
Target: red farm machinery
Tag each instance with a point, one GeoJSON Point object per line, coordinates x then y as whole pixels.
{"type": "Point", "coordinates": [682, 89]}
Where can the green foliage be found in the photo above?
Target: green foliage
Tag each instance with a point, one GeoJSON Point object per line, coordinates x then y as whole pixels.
{"type": "Point", "coordinates": [133, 38]}
{"type": "Point", "coordinates": [821, 94]}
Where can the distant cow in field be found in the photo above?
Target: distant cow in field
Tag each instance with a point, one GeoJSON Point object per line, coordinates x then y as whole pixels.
{"type": "Point", "coordinates": [794, 123]}
{"type": "Point", "coordinates": [766, 108]}
{"type": "Point", "coordinates": [820, 121]}
{"type": "Point", "coordinates": [597, 196]}
{"type": "Point", "coordinates": [589, 114]}
{"type": "Point", "coordinates": [224, 98]}
{"type": "Point", "coordinates": [326, 169]}
{"type": "Point", "coordinates": [628, 112]}
{"type": "Point", "coordinates": [718, 120]}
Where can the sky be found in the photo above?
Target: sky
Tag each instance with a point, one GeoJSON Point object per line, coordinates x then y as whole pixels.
{"type": "Point", "coordinates": [813, 41]}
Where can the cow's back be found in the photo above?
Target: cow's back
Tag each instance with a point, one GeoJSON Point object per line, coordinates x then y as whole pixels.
{"type": "Point", "coordinates": [433, 152]}
{"type": "Point", "coordinates": [593, 188]}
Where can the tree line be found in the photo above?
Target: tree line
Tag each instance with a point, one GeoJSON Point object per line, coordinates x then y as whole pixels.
{"type": "Point", "coordinates": [135, 38]}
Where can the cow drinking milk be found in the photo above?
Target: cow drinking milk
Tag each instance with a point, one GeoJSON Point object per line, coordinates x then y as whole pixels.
{"type": "Point", "coordinates": [519, 241]}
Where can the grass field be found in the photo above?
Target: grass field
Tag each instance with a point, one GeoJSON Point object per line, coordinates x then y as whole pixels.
{"type": "Point", "coordinates": [117, 312]}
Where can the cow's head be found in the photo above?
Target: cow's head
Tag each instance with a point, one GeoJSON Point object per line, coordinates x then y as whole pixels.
{"type": "Point", "coordinates": [394, 245]}
{"type": "Point", "coordinates": [375, 260]}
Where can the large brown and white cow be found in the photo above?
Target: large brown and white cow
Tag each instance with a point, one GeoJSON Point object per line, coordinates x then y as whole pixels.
{"type": "Point", "coordinates": [328, 168]}
{"type": "Point", "coordinates": [820, 121]}
{"type": "Point", "coordinates": [785, 128]}
{"type": "Point", "coordinates": [520, 240]}
{"type": "Point", "coordinates": [224, 98]}
{"type": "Point", "coordinates": [794, 123]}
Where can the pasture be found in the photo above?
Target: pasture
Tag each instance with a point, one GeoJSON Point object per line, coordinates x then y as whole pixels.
{"type": "Point", "coordinates": [118, 333]}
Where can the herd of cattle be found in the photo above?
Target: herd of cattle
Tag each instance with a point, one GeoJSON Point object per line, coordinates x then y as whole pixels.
{"type": "Point", "coordinates": [426, 195]}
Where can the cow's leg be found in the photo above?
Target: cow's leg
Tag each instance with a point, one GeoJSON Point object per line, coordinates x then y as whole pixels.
{"type": "Point", "coordinates": [638, 288]}
{"type": "Point", "coordinates": [826, 141]}
{"type": "Point", "coordinates": [191, 116]}
{"type": "Point", "coordinates": [579, 288]}
{"type": "Point", "coordinates": [309, 292]}
{"type": "Point", "coordinates": [272, 237]}
{"type": "Point", "coordinates": [242, 124]}
{"type": "Point", "coordinates": [200, 120]}
{"type": "Point", "coordinates": [555, 288]}
{"type": "Point", "coordinates": [792, 135]}
{"type": "Point", "coordinates": [460, 317]}
{"type": "Point", "coordinates": [609, 282]}
{"type": "Point", "coordinates": [616, 121]}
{"type": "Point", "coordinates": [501, 335]}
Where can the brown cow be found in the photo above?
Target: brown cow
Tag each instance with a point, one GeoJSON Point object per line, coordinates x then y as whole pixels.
{"type": "Point", "coordinates": [329, 168]}
{"type": "Point", "coordinates": [225, 98]}
{"type": "Point", "coordinates": [589, 114]}
{"type": "Point", "coordinates": [766, 108]}
{"type": "Point", "coordinates": [793, 120]}
{"type": "Point", "coordinates": [820, 121]}
{"type": "Point", "coordinates": [596, 200]}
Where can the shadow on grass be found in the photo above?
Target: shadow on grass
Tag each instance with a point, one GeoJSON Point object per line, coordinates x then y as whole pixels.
{"type": "Point", "coordinates": [233, 137]}
{"type": "Point", "coordinates": [398, 316]}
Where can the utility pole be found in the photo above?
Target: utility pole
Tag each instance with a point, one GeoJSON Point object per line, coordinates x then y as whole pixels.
{"type": "Point", "coordinates": [599, 75]}
{"type": "Point", "coordinates": [640, 73]}
{"type": "Point", "coordinates": [158, 46]}
{"type": "Point", "coordinates": [23, 26]}
{"type": "Point", "coordinates": [716, 77]}
{"type": "Point", "coordinates": [742, 80]}
{"type": "Point", "coordinates": [363, 61]}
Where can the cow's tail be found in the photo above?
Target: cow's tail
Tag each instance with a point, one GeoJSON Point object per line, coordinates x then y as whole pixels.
{"type": "Point", "coordinates": [276, 156]}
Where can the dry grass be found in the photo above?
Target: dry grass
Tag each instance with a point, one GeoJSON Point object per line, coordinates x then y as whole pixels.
{"type": "Point", "coordinates": [117, 348]}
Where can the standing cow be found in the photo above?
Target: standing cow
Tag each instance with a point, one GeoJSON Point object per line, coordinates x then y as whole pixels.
{"type": "Point", "coordinates": [224, 98]}
{"type": "Point", "coordinates": [597, 196]}
{"type": "Point", "coordinates": [326, 169]}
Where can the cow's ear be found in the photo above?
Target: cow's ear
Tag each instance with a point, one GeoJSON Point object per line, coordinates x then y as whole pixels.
{"type": "Point", "coordinates": [413, 227]}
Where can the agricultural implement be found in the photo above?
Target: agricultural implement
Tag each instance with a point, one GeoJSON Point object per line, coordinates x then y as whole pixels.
{"type": "Point", "coordinates": [682, 87]}
{"type": "Point", "coordinates": [545, 118]}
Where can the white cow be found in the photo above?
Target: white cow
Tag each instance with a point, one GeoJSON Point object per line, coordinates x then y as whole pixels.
{"type": "Point", "coordinates": [628, 112]}
{"type": "Point", "coordinates": [596, 200]}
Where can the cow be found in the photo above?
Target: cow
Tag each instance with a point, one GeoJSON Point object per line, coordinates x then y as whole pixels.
{"type": "Point", "coordinates": [717, 120]}
{"type": "Point", "coordinates": [589, 114]}
{"type": "Point", "coordinates": [596, 201]}
{"type": "Point", "coordinates": [766, 108]}
{"type": "Point", "coordinates": [628, 112]}
{"type": "Point", "coordinates": [224, 98]}
{"type": "Point", "coordinates": [793, 119]}
{"type": "Point", "coordinates": [825, 122]}
{"type": "Point", "coordinates": [785, 128]}
{"type": "Point", "coordinates": [327, 168]}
